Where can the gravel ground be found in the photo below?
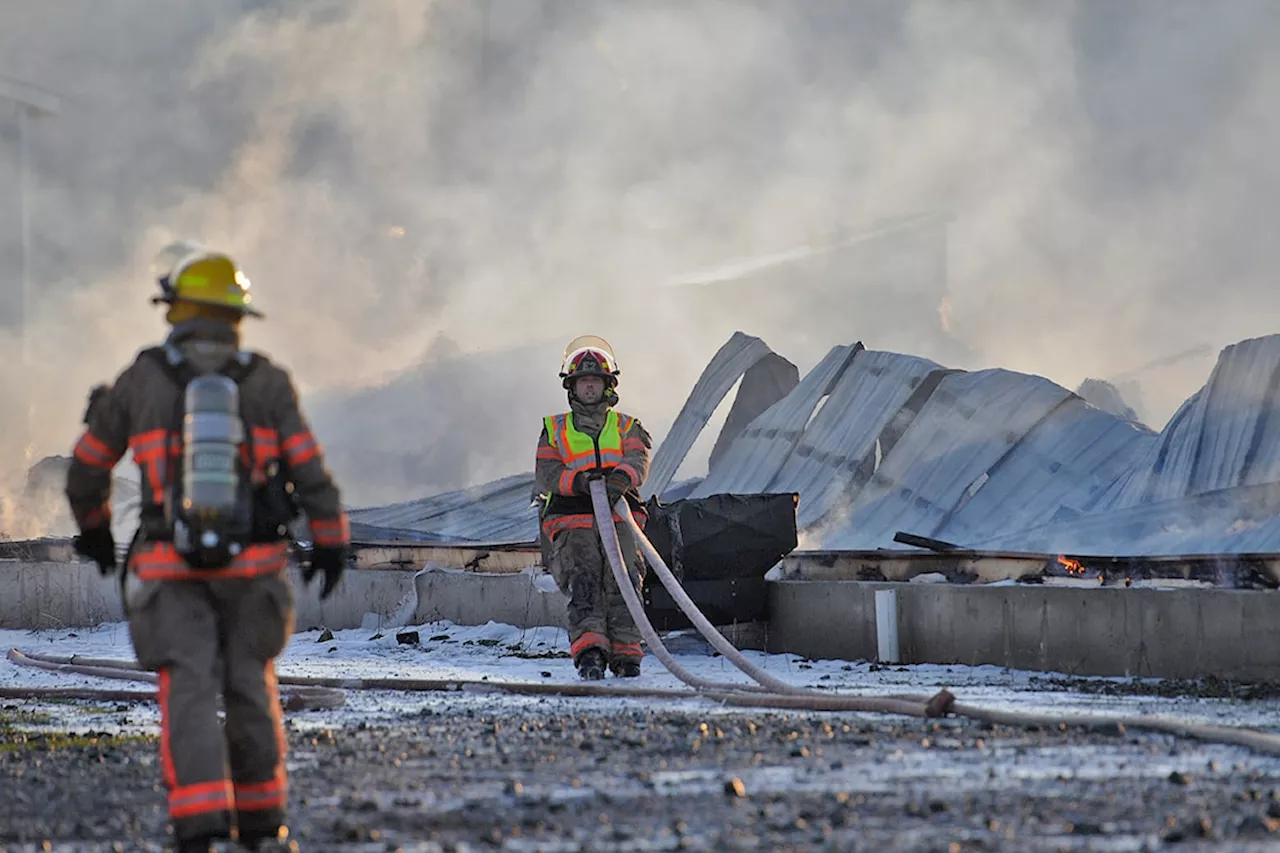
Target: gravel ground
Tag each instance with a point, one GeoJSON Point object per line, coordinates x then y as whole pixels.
{"type": "Point", "coordinates": [511, 774]}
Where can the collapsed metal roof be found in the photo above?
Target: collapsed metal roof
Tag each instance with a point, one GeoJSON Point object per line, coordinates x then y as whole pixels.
{"type": "Point", "coordinates": [877, 443]}
{"type": "Point", "coordinates": [500, 511]}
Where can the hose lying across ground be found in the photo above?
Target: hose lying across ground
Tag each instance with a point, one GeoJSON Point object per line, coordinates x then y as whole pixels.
{"type": "Point", "coordinates": [301, 693]}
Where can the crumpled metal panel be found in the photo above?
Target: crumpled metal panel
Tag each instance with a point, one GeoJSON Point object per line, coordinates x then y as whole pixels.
{"type": "Point", "coordinates": [1245, 519]}
{"type": "Point", "coordinates": [823, 466]}
{"type": "Point", "coordinates": [757, 455]}
{"type": "Point", "coordinates": [498, 512]}
{"type": "Point", "coordinates": [969, 423]}
{"type": "Point", "coordinates": [1225, 435]}
{"type": "Point", "coordinates": [1061, 468]}
{"type": "Point", "coordinates": [767, 381]}
{"type": "Point", "coordinates": [732, 360]}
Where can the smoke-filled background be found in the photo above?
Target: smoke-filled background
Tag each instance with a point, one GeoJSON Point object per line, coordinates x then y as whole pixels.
{"type": "Point", "coordinates": [433, 197]}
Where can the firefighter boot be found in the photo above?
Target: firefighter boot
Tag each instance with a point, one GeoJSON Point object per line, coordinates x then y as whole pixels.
{"type": "Point", "coordinates": [625, 666]}
{"type": "Point", "coordinates": [590, 664]}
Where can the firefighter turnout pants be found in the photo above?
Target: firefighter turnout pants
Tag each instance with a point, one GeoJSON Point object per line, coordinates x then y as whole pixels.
{"type": "Point", "coordinates": [597, 614]}
{"type": "Point", "coordinates": [207, 638]}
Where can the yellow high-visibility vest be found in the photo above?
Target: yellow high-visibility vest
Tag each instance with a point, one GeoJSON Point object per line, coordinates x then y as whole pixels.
{"type": "Point", "coordinates": [578, 450]}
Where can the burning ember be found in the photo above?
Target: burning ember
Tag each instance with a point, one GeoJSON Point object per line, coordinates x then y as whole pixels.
{"type": "Point", "coordinates": [1073, 567]}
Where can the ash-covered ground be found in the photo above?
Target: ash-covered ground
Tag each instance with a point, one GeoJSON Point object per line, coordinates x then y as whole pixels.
{"type": "Point", "coordinates": [490, 771]}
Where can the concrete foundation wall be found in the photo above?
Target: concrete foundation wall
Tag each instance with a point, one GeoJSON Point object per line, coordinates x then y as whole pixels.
{"type": "Point", "coordinates": [64, 595]}
{"type": "Point", "coordinates": [523, 599]}
{"type": "Point", "coordinates": [390, 596]}
{"type": "Point", "coordinates": [56, 595]}
{"type": "Point", "coordinates": [1169, 633]}
{"type": "Point", "coordinates": [1183, 633]}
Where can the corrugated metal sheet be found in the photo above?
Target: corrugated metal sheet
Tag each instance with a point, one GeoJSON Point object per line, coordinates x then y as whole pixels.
{"type": "Point", "coordinates": [1238, 520]}
{"type": "Point", "coordinates": [970, 423]}
{"type": "Point", "coordinates": [732, 360]}
{"type": "Point", "coordinates": [1225, 435]}
{"type": "Point", "coordinates": [757, 455]}
{"type": "Point", "coordinates": [868, 396]}
{"type": "Point", "coordinates": [767, 381]}
{"type": "Point", "coordinates": [1062, 467]}
{"type": "Point", "coordinates": [496, 512]}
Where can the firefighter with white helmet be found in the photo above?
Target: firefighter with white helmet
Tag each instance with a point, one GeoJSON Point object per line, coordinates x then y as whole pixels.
{"type": "Point", "coordinates": [221, 444]}
{"type": "Point", "coordinates": [590, 441]}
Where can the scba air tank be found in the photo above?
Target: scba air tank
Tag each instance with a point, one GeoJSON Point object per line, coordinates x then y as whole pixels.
{"type": "Point", "coordinates": [212, 499]}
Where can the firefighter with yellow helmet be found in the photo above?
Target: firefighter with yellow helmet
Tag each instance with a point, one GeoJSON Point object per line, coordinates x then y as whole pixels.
{"type": "Point", "coordinates": [225, 457]}
{"type": "Point", "coordinates": [590, 441]}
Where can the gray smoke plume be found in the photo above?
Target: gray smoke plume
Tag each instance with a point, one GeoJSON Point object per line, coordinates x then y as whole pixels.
{"type": "Point", "coordinates": [506, 176]}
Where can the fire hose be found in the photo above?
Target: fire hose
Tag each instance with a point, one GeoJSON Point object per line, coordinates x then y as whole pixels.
{"type": "Point", "coordinates": [300, 693]}
{"type": "Point", "coordinates": [797, 697]}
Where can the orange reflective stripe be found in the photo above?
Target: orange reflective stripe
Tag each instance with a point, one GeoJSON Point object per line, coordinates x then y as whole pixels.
{"type": "Point", "coordinates": [259, 796]}
{"type": "Point", "coordinates": [167, 771]}
{"type": "Point", "coordinates": [94, 452]}
{"type": "Point", "coordinates": [266, 441]}
{"type": "Point", "coordinates": [331, 531]}
{"type": "Point", "coordinates": [160, 561]}
{"type": "Point", "coordinates": [155, 479]}
{"type": "Point", "coordinates": [261, 800]}
{"type": "Point", "coordinates": [630, 472]}
{"type": "Point", "coordinates": [201, 798]}
{"type": "Point", "coordinates": [556, 523]}
{"type": "Point", "coordinates": [149, 452]}
{"type": "Point", "coordinates": [147, 443]}
{"type": "Point", "coordinates": [301, 448]}
{"type": "Point", "coordinates": [562, 435]}
{"type": "Point", "coordinates": [588, 640]}
{"type": "Point", "coordinates": [271, 794]}
{"type": "Point", "coordinates": [548, 452]}
{"type": "Point", "coordinates": [565, 484]}
{"type": "Point", "coordinates": [627, 650]}
{"type": "Point", "coordinates": [277, 720]}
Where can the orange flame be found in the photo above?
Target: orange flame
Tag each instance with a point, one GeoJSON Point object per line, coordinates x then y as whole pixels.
{"type": "Point", "coordinates": [1073, 567]}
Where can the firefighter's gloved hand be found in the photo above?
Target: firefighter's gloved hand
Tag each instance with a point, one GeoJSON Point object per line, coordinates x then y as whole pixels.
{"type": "Point", "coordinates": [330, 559]}
{"type": "Point", "coordinates": [98, 545]}
{"type": "Point", "coordinates": [582, 482]}
{"type": "Point", "coordinates": [616, 485]}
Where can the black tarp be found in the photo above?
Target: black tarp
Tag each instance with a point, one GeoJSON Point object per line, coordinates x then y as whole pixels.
{"type": "Point", "coordinates": [719, 548]}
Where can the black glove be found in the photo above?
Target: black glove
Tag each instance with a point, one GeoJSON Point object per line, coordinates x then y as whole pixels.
{"type": "Point", "coordinates": [582, 482]}
{"type": "Point", "coordinates": [617, 484]}
{"type": "Point", "coordinates": [98, 545]}
{"type": "Point", "coordinates": [328, 559]}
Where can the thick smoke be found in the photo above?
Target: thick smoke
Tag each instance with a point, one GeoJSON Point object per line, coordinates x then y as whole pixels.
{"type": "Point", "coordinates": [496, 176]}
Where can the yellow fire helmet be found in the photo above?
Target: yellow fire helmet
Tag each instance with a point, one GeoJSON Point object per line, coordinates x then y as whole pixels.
{"type": "Point", "coordinates": [187, 271]}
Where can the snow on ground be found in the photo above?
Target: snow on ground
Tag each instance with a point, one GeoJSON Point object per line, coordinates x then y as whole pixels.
{"type": "Point", "coordinates": [500, 653]}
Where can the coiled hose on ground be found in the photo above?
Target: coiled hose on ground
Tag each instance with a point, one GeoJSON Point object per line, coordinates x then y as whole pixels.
{"type": "Point", "coordinates": [302, 693]}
